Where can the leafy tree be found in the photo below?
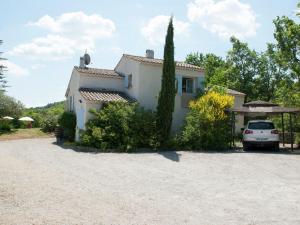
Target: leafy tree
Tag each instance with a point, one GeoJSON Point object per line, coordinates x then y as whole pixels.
{"type": "Point", "coordinates": [166, 98]}
{"type": "Point", "coordinates": [270, 75]}
{"type": "Point", "coordinates": [244, 66]}
{"type": "Point", "coordinates": [287, 35]}
{"type": "Point", "coordinates": [211, 64]}
{"type": "Point", "coordinates": [2, 68]}
{"type": "Point", "coordinates": [10, 106]}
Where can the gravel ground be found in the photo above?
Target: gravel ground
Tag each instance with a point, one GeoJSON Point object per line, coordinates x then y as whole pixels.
{"type": "Point", "coordinates": [42, 183]}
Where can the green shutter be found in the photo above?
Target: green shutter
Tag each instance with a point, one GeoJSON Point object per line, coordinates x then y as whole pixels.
{"type": "Point", "coordinates": [200, 82]}
{"type": "Point", "coordinates": [179, 84]}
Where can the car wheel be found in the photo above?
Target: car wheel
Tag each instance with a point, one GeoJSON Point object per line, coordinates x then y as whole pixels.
{"type": "Point", "coordinates": [276, 147]}
{"type": "Point", "coordinates": [245, 147]}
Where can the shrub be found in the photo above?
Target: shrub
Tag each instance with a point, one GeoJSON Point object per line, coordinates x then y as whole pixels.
{"type": "Point", "coordinates": [207, 125]}
{"type": "Point", "coordinates": [121, 126]}
{"type": "Point", "coordinates": [49, 123]}
{"type": "Point", "coordinates": [68, 122]}
{"type": "Point", "coordinates": [5, 125]}
{"type": "Point", "coordinates": [297, 139]}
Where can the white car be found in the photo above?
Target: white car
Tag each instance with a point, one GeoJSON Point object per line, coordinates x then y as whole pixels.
{"type": "Point", "coordinates": [260, 133]}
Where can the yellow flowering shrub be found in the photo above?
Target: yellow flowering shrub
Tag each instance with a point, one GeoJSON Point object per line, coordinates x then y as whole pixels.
{"type": "Point", "coordinates": [207, 124]}
{"type": "Point", "coordinates": [212, 105]}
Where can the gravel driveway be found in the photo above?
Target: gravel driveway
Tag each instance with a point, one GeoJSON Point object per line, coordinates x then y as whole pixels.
{"type": "Point", "coordinates": [42, 183]}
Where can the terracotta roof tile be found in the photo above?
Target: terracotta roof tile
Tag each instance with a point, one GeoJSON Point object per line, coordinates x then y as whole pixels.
{"type": "Point", "coordinates": [98, 72]}
{"type": "Point", "coordinates": [160, 61]}
{"type": "Point", "coordinates": [90, 94]}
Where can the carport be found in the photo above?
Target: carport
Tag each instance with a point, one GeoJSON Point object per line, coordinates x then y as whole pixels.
{"type": "Point", "coordinates": [262, 109]}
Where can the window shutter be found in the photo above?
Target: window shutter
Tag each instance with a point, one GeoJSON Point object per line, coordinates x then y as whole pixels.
{"type": "Point", "coordinates": [80, 118]}
{"type": "Point", "coordinates": [126, 81]}
{"type": "Point", "coordinates": [179, 84]}
{"type": "Point", "coordinates": [200, 82]}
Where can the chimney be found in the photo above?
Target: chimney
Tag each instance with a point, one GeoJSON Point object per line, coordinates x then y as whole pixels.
{"type": "Point", "coordinates": [81, 63]}
{"type": "Point", "coordinates": [149, 54]}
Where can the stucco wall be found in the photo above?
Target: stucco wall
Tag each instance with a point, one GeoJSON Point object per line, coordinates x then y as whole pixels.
{"type": "Point", "coordinates": [150, 85]}
{"type": "Point", "coordinates": [127, 67]}
{"type": "Point", "coordinates": [238, 102]}
{"type": "Point", "coordinates": [101, 83]}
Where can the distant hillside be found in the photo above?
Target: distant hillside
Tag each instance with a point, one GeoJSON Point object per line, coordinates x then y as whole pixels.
{"type": "Point", "coordinates": [46, 116]}
{"type": "Point", "coordinates": [58, 105]}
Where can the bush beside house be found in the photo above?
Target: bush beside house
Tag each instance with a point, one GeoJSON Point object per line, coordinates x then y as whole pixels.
{"type": "Point", "coordinates": [207, 124]}
{"type": "Point", "coordinates": [122, 126]}
{"type": "Point", "coordinates": [68, 122]}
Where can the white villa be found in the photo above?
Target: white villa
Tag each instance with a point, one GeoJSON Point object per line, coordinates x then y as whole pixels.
{"type": "Point", "coordinates": [135, 78]}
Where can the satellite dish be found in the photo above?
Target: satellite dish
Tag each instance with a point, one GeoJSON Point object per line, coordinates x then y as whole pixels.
{"type": "Point", "coordinates": [87, 59]}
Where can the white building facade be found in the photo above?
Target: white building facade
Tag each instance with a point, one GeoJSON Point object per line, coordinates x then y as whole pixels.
{"type": "Point", "coordinates": [134, 78]}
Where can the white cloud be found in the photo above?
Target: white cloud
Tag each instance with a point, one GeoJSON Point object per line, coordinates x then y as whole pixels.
{"type": "Point", "coordinates": [37, 66]}
{"type": "Point", "coordinates": [14, 69]}
{"type": "Point", "coordinates": [225, 17]}
{"type": "Point", "coordinates": [156, 28]}
{"type": "Point", "coordinates": [68, 33]}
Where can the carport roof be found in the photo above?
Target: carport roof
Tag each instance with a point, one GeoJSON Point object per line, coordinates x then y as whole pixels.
{"type": "Point", "coordinates": [262, 107]}
{"type": "Point", "coordinates": [264, 110]}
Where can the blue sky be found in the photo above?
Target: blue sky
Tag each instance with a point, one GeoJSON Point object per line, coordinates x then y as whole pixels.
{"type": "Point", "coordinates": [43, 40]}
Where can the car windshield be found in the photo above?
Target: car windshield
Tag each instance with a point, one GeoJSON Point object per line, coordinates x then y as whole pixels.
{"type": "Point", "coordinates": [261, 126]}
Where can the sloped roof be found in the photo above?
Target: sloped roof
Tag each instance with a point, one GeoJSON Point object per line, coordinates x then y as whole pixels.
{"type": "Point", "coordinates": [90, 94]}
{"type": "Point", "coordinates": [160, 61]}
{"type": "Point", "coordinates": [234, 92]}
{"type": "Point", "coordinates": [98, 72]}
{"type": "Point", "coordinates": [264, 110]}
{"type": "Point", "coordinates": [260, 103]}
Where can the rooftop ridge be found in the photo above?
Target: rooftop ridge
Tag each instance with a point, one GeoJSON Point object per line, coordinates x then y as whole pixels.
{"type": "Point", "coordinates": [160, 61]}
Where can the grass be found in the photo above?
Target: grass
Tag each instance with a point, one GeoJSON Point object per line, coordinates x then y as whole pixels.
{"type": "Point", "coordinates": [23, 134]}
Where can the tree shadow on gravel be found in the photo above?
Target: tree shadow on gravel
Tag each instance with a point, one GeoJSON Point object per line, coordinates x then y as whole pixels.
{"type": "Point", "coordinates": [168, 154]}
{"type": "Point", "coordinates": [175, 155]}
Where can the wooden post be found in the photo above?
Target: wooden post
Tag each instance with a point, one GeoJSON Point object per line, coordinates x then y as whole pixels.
{"type": "Point", "coordinates": [233, 129]}
{"type": "Point", "coordinates": [282, 125]}
{"type": "Point", "coordinates": [291, 132]}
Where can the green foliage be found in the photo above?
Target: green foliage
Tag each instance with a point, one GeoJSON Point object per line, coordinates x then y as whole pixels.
{"type": "Point", "coordinates": [120, 126]}
{"type": "Point", "coordinates": [166, 100]}
{"type": "Point", "coordinates": [287, 34]}
{"type": "Point", "coordinates": [207, 125]}
{"type": "Point", "coordinates": [46, 117]}
{"type": "Point", "coordinates": [68, 122]}
{"type": "Point", "coordinates": [209, 62]}
{"type": "Point", "coordinates": [297, 139]}
{"type": "Point", "coordinates": [10, 106]}
{"type": "Point", "coordinates": [272, 75]}
{"type": "Point", "coordinates": [5, 125]}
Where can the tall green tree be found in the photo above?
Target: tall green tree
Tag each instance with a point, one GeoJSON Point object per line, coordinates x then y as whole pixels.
{"type": "Point", "coordinates": [244, 67]}
{"type": "Point", "coordinates": [10, 106]}
{"type": "Point", "coordinates": [270, 75]}
{"type": "Point", "coordinates": [211, 64]}
{"type": "Point", "coordinates": [166, 100]}
{"type": "Point", "coordinates": [2, 77]}
{"type": "Point", "coordinates": [287, 35]}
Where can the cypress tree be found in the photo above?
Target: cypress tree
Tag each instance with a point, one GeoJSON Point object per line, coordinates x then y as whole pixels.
{"type": "Point", "coordinates": [166, 100]}
{"type": "Point", "coordinates": [2, 69]}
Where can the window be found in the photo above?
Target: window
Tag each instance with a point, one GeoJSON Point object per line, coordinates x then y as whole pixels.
{"type": "Point", "coordinates": [261, 126]}
{"type": "Point", "coordinates": [187, 85]}
{"type": "Point", "coordinates": [71, 103]}
{"type": "Point", "coordinates": [129, 80]}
